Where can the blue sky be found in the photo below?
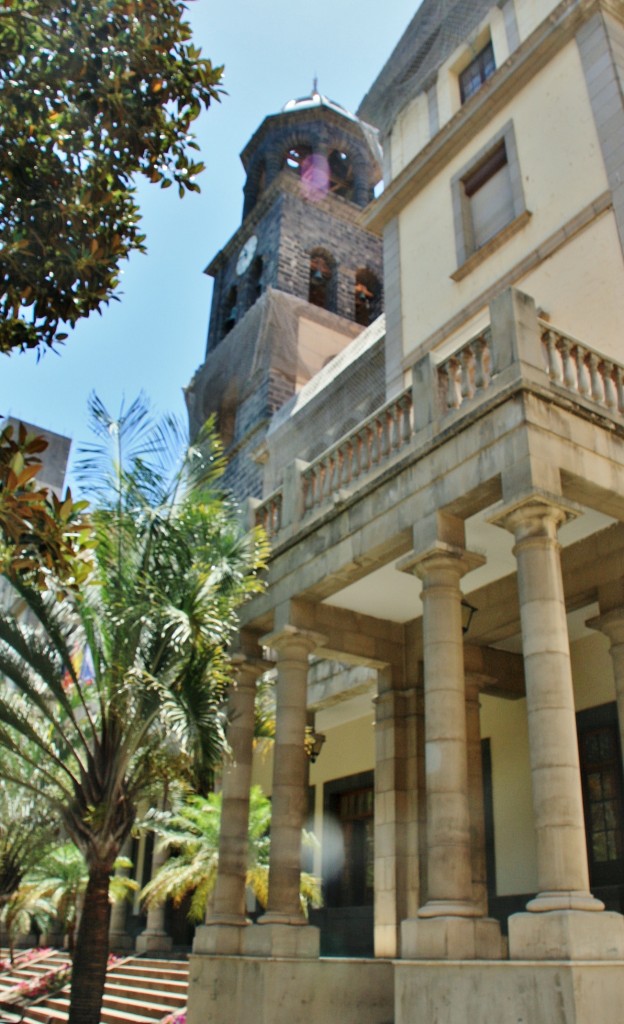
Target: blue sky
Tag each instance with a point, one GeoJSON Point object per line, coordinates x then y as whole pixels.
{"type": "Point", "coordinates": [154, 337]}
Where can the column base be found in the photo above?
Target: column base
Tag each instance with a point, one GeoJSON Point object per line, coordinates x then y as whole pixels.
{"type": "Point", "coordinates": [566, 935]}
{"type": "Point", "coordinates": [220, 937]}
{"type": "Point", "coordinates": [451, 938]}
{"type": "Point", "coordinates": [283, 940]}
{"type": "Point", "coordinates": [154, 942]}
{"type": "Point", "coordinates": [570, 899]}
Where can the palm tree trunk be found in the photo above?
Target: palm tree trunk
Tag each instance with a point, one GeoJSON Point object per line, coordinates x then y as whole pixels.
{"type": "Point", "coordinates": [91, 953]}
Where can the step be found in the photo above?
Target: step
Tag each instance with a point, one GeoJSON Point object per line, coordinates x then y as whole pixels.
{"type": "Point", "coordinates": [115, 992]}
{"type": "Point", "coordinates": [132, 982]}
{"type": "Point", "coordinates": [137, 971]}
{"type": "Point", "coordinates": [44, 1015]}
{"type": "Point", "coordinates": [153, 963]}
{"type": "Point", "coordinates": [154, 1007]}
{"type": "Point", "coordinates": [138, 991]}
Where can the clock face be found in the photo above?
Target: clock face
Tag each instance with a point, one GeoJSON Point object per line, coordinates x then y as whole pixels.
{"type": "Point", "coordinates": [246, 254]}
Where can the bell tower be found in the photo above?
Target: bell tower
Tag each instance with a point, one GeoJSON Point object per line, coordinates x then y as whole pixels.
{"type": "Point", "coordinates": [297, 281]}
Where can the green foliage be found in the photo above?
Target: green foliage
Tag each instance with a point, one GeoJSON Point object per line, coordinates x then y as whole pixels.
{"type": "Point", "coordinates": [27, 906]}
{"type": "Point", "coordinates": [92, 93]}
{"type": "Point", "coordinates": [42, 537]}
{"type": "Point", "coordinates": [119, 686]}
{"type": "Point", "coordinates": [59, 880]}
{"type": "Point", "coordinates": [191, 834]}
{"type": "Point", "coordinates": [27, 831]}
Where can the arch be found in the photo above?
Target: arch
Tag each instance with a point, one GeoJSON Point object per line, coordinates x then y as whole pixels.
{"type": "Point", "coordinates": [321, 281]}
{"type": "Point", "coordinates": [255, 185]}
{"type": "Point", "coordinates": [230, 310]}
{"type": "Point", "coordinates": [367, 297]}
{"type": "Point", "coordinates": [295, 156]}
{"type": "Point", "coordinates": [256, 282]}
{"type": "Point", "coordinates": [341, 174]}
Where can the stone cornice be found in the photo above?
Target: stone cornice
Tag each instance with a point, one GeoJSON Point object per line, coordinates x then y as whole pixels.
{"type": "Point", "coordinates": [535, 52]}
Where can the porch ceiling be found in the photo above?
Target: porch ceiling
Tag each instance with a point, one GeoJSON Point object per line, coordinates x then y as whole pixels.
{"type": "Point", "coordinates": [386, 593]}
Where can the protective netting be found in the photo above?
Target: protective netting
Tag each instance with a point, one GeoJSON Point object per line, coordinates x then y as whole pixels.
{"type": "Point", "coordinates": [437, 28]}
{"type": "Point", "coordinates": [345, 392]}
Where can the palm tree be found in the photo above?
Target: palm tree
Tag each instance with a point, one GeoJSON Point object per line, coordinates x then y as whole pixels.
{"type": "Point", "coordinates": [191, 834]}
{"type": "Point", "coordinates": [121, 683]}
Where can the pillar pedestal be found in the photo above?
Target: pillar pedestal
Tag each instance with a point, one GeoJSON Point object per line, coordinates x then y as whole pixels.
{"type": "Point", "coordinates": [271, 939]}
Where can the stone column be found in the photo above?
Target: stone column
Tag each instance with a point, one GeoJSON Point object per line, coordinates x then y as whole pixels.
{"type": "Point", "coordinates": [450, 924]}
{"type": "Point", "coordinates": [283, 929]}
{"type": "Point", "coordinates": [396, 829]}
{"type": "Point", "coordinates": [475, 792]}
{"type": "Point", "coordinates": [118, 937]}
{"type": "Point", "coordinates": [611, 623]}
{"type": "Point", "coordinates": [154, 939]}
{"type": "Point", "coordinates": [221, 932]}
{"type": "Point", "coordinates": [564, 919]}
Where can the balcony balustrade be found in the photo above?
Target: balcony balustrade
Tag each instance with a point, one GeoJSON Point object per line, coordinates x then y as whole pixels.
{"type": "Point", "coordinates": [516, 347]}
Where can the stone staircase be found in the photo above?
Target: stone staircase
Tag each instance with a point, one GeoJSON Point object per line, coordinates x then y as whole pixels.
{"type": "Point", "coordinates": [138, 990]}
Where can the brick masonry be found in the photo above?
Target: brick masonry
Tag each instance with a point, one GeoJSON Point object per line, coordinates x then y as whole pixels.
{"type": "Point", "coordinates": [289, 224]}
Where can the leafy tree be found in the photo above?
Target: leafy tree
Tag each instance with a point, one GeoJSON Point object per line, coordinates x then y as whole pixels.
{"type": "Point", "coordinates": [191, 833]}
{"type": "Point", "coordinates": [27, 831]}
{"type": "Point", "coordinates": [128, 674]}
{"type": "Point", "coordinates": [40, 534]}
{"type": "Point", "coordinates": [92, 93]}
{"type": "Point", "coordinates": [26, 907]}
{"type": "Point", "coordinates": [60, 879]}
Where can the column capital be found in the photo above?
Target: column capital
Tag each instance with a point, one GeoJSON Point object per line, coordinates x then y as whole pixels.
{"type": "Point", "coordinates": [440, 556]}
{"type": "Point", "coordinates": [289, 636]}
{"type": "Point", "coordinates": [611, 623]}
{"type": "Point", "coordinates": [475, 683]}
{"type": "Point", "coordinates": [535, 515]}
{"type": "Point", "coordinates": [248, 670]}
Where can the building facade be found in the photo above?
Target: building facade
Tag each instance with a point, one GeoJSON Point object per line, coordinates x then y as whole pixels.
{"type": "Point", "coordinates": [445, 598]}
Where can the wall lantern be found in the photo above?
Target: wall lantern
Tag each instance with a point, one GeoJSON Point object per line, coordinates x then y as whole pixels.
{"type": "Point", "coordinates": [313, 743]}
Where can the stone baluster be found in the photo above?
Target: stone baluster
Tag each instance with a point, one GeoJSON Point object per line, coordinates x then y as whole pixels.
{"type": "Point", "coordinates": [584, 383]}
{"type": "Point", "coordinates": [596, 381]}
{"type": "Point", "coordinates": [619, 387]}
{"type": "Point", "coordinates": [555, 367]}
{"type": "Point", "coordinates": [468, 372]}
{"type": "Point", "coordinates": [482, 369]}
{"type": "Point", "coordinates": [406, 406]}
{"type": "Point", "coordinates": [610, 392]}
{"type": "Point", "coordinates": [570, 375]}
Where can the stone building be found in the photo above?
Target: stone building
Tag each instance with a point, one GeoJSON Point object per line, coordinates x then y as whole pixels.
{"type": "Point", "coordinates": [446, 598]}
